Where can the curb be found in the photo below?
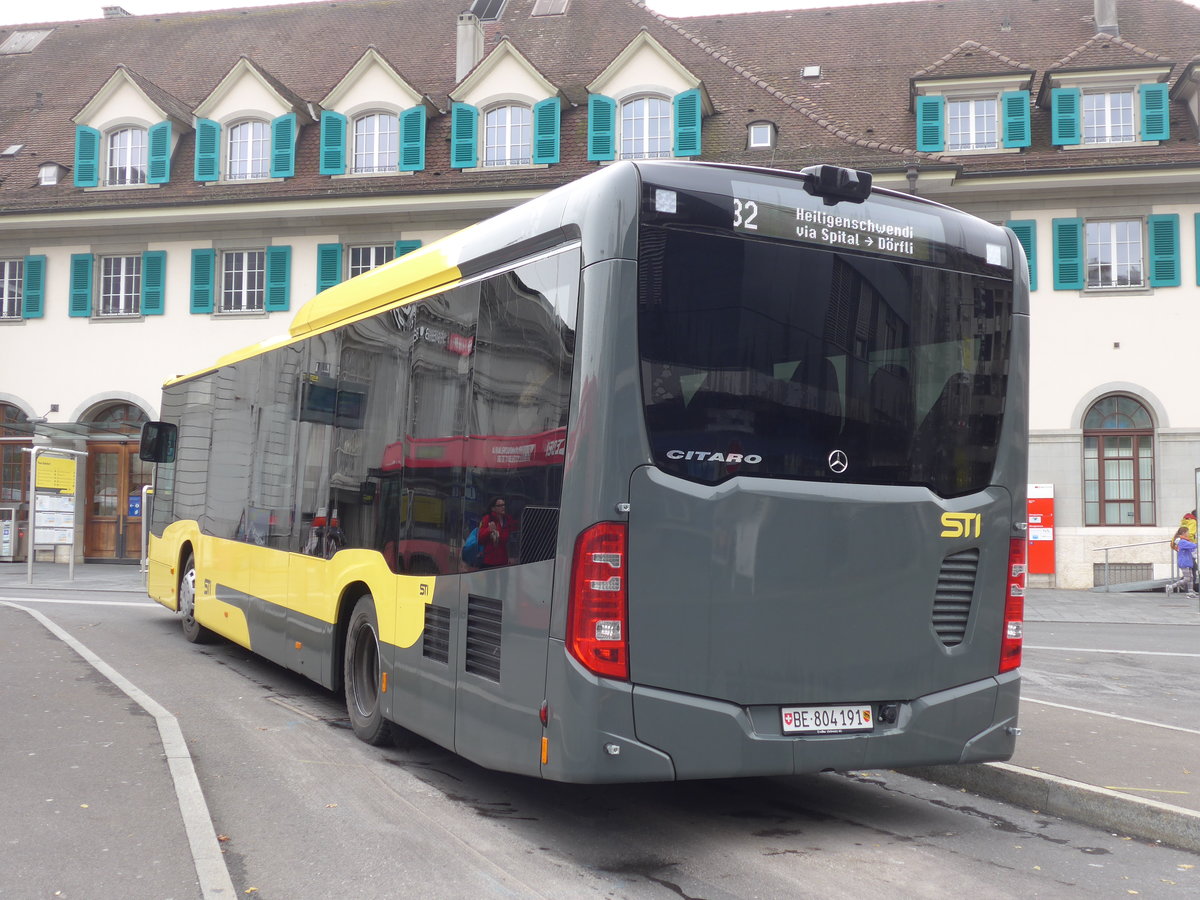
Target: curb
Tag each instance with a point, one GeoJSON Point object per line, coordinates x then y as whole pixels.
{"type": "Point", "coordinates": [1084, 803]}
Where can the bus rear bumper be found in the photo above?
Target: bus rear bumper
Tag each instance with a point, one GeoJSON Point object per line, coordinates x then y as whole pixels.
{"type": "Point", "coordinates": [711, 739]}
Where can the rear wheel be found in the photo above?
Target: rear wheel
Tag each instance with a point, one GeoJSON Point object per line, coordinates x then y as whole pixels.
{"type": "Point", "coordinates": [363, 670]}
{"type": "Point", "coordinates": [192, 630]}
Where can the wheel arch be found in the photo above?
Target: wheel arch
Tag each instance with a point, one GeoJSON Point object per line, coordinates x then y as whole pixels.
{"type": "Point", "coordinates": [351, 593]}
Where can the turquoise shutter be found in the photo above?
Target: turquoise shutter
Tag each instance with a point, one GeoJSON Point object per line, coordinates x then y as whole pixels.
{"type": "Point", "coordinates": [464, 123]}
{"type": "Point", "coordinates": [279, 279]}
{"type": "Point", "coordinates": [208, 150]}
{"type": "Point", "coordinates": [154, 282]}
{"type": "Point", "coordinates": [1026, 232]}
{"type": "Point", "coordinates": [204, 263]}
{"type": "Point", "coordinates": [1156, 113]}
{"type": "Point", "coordinates": [687, 123]}
{"type": "Point", "coordinates": [33, 288]}
{"type": "Point", "coordinates": [931, 124]}
{"type": "Point", "coordinates": [1015, 107]}
{"type": "Point", "coordinates": [1064, 111]}
{"type": "Point", "coordinates": [333, 143]}
{"type": "Point", "coordinates": [329, 266]}
{"type": "Point", "coordinates": [403, 247]}
{"type": "Point", "coordinates": [87, 156]}
{"type": "Point", "coordinates": [602, 127]}
{"type": "Point", "coordinates": [1069, 273]}
{"type": "Point", "coordinates": [1164, 250]}
{"type": "Point", "coordinates": [81, 285]}
{"type": "Point", "coordinates": [159, 158]}
{"type": "Point", "coordinates": [546, 117]}
{"type": "Point", "coordinates": [412, 139]}
{"type": "Point", "coordinates": [283, 146]}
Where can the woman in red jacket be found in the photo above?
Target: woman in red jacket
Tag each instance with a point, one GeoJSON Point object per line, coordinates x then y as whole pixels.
{"type": "Point", "coordinates": [495, 528]}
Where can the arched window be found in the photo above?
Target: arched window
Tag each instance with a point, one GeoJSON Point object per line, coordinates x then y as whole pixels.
{"type": "Point", "coordinates": [507, 136]}
{"type": "Point", "coordinates": [646, 130]}
{"type": "Point", "coordinates": [1118, 463]}
{"type": "Point", "coordinates": [14, 461]}
{"type": "Point", "coordinates": [127, 156]}
{"type": "Point", "coordinates": [116, 418]}
{"type": "Point", "coordinates": [376, 142]}
{"type": "Point", "coordinates": [249, 150]}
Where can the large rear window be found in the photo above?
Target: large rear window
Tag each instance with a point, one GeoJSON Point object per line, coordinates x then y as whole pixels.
{"type": "Point", "coordinates": [788, 360]}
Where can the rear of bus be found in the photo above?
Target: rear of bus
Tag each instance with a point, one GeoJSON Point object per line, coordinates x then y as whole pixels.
{"type": "Point", "coordinates": [801, 434]}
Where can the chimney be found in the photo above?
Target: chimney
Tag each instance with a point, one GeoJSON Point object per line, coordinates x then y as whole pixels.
{"type": "Point", "coordinates": [1106, 16]}
{"type": "Point", "coordinates": [470, 45]}
{"type": "Point", "coordinates": [115, 12]}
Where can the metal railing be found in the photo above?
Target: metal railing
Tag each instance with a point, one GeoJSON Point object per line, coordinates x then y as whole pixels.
{"type": "Point", "coordinates": [1108, 585]}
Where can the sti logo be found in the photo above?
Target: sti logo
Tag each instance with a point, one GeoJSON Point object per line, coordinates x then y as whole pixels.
{"type": "Point", "coordinates": [957, 525]}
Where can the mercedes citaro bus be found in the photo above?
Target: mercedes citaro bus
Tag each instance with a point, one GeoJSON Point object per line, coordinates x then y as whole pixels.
{"type": "Point", "coordinates": [762, 440]}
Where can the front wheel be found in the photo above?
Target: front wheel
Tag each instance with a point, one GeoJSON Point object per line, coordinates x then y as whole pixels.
{"type": "Point", "coordinates": [362, 670]}
{"type": "Point", "coordinates": [192, 630]}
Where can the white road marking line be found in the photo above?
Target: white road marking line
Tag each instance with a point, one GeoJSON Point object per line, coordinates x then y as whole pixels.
{"type": "Point", "coordinates": [145, 604]}
{"type": "Point", "coordinates": [211, 869]}
{"type": "Point", "coordinates": [1102, 650]}
{"type": "Point", "coordinates": [1094, 712]}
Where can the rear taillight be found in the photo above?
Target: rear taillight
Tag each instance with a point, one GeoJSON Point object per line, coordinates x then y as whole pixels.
{"type": "Point", "coordinates": [1014, 607]}
{"type": "Point", "coordinates": [598, 614]}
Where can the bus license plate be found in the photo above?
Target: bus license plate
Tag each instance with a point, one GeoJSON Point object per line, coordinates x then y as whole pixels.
{"type": "Point", "coordinates": [827, 719]}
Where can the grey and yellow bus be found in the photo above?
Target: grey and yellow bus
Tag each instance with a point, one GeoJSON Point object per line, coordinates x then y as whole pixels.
{"type": "Point", "coordinates": [761, 437]}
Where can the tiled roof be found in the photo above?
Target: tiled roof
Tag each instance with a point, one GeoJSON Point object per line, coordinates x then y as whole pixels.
{"type": "Point", "coordinates": [856, 113]}
{"type": "Point", "coordinates": [868, 54]}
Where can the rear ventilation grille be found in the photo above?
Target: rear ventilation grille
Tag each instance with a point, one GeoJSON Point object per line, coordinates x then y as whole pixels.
{"type": "Point", "coordinates": [483, 637]}
{"type": "Point", "coordinates": [952, 600]}
{"type": "Point", "coordinates": [435, 642]}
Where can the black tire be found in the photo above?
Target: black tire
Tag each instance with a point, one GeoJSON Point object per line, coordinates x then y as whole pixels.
{"type": "Point", "coordinates": [192, 630]}
{"type": "Point", "coordinates": [362, 671]}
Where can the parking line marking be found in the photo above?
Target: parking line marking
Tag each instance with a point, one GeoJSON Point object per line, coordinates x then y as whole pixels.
{"type": "Point", "coordinates": [1096, 712]}
{"type": "Point", "coordinates": [1102, 650]}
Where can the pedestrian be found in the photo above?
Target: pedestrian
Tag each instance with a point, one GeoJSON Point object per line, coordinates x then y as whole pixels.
{"type": "Point", "coordinates": [1185, 555]}
{"type": "Point", "coordinates": [495, 528]}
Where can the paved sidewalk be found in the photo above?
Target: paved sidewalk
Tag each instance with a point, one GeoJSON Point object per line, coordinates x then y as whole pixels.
{"type": "Point", "coordinates": [1068, 762]}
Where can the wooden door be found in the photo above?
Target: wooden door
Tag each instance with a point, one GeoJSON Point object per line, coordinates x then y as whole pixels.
{"type": "Point", "coordinates": [113, 520]}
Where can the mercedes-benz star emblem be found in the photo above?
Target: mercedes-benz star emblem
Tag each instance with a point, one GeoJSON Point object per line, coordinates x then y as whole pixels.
{"type": "Point", "coordinates": [838, 462]}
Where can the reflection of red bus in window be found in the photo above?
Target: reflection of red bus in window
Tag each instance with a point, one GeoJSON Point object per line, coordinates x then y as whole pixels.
{"type": "Point", "coordinates": [419, 476]}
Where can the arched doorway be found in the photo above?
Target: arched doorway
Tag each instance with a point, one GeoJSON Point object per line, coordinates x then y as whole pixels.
{"type": "Point", "coordinates": [1118, 463]}
{"type": "Point", "coordinates": [115, 477]}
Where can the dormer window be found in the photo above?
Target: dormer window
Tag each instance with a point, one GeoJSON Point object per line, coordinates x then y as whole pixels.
{"type": "Point", "coordinates": [48, 174]}
{"type": "Point", "coordinates": [760, 135]}
{"type": "Point", "coordinates": [971, 124]}
{"type": "Point", "coordinates": [249, 150]}
{"type": "Point", "coordinates": [1108, 117]}
{"type": "Point", "coordinates": [507, 134]}
{"type": "Point", "coordinates": [376, 143]}
{"type": "Point", "coordinates": [646, 128]}
{"type": "Point", "coordinates": [127, 151]}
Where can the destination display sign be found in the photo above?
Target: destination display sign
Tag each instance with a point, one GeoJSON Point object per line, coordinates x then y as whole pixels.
{"type": "Point", "coordinates": [872, 226]}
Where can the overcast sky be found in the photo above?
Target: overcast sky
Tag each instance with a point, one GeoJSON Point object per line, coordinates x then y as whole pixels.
{"type": "Point", "coordinates": [64, 10]}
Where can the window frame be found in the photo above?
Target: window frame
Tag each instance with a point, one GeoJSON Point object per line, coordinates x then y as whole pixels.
{"type": "Point", "coordinates": [974, 119]}
{"type": "Point", "coordinates": [752, 144]}
{"type": "Point", "coordinates": [1088, 111]}
{"type": "Point", "coordinates": [375, 152]}
{"type": "Point", "coordinates": [665, 114]}
{"type": "Point", "coordinates": [1140, 430]}
{"type": "Point", "coordinates": [248, 160]}
{"type": "Point", "coordinates": [507, 136]}
{"type": "Point", "coordinates": [12, 291]}
{"type": "Point", "coordinates": [127, 296]}
{"type": "Point", "coordinates": [242, 290]}
{"type": "Point", "coordinates": [355, 267]}
{"type": "Point", "coordinates": [127, 173]}
{"type": "Point", "coordinates": [1113, 244]}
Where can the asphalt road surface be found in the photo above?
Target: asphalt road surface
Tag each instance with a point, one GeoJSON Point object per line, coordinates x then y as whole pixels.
{"type": "Point", "coordinates": [303, 810]}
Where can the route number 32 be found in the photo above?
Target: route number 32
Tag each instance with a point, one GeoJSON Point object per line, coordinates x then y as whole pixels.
{"type": "Point", "coordinates": [744, 214]}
